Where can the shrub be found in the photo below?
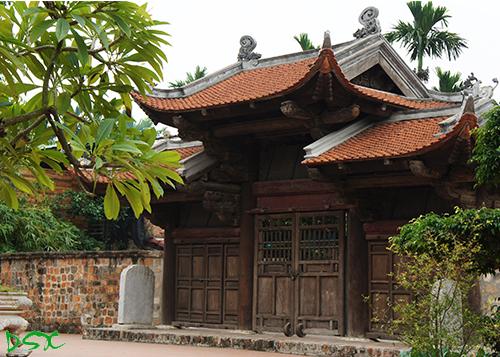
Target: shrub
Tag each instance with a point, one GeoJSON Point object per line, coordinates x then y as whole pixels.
{"type": "Point", "coordinates": [431, 233]}
{"type": "Point", "coordinates": [486, 152]}
{"type": "Point", "coordinates": [35, 228]}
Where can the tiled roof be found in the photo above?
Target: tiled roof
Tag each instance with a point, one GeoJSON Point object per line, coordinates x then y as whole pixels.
{"type": "Point", "coordinates": [267, 82]}
{"type": "Point", "coordinates": [189, 151]}
{"type": "Point", "coordinates": [391, 140]}
{"type": "Point", "coordinates": [244, 86]}
{"type": "Point", "coordinates": [391, 98]}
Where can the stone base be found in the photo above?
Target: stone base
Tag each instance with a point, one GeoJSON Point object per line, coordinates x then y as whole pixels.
{"type": "Point", "coordinates": [320, 346]}
{"type": "Point", "coordinates": [133, 327]}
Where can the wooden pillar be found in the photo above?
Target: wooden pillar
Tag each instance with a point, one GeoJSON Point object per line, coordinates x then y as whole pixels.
{"type": "Point", "coordinates": [356, 277]}
{"type": "Point", "coordinates": [246, 257]}
{"type": "Point", "coordinates": [168, 292]}
{"type": "Point", "coordinates": [247, 239]}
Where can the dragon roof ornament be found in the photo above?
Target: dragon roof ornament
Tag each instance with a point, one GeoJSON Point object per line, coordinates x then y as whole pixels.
{"type": "Point", "coordinates": [369, 19]}
{"type": "Point", "coordinates": [246, 52]}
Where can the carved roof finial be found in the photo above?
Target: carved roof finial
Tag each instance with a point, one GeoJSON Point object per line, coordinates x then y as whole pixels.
{"type": "Point", "coordinates": [327, 42]}
{"type": "Point", "coordinates": [369, 19]}
{"type": "Point", "coordinates": [246, 53]}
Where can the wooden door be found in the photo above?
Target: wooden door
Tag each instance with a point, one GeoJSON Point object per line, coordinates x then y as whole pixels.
{"type": "Point", "coordinates": [384, 292]}
{"type": "Point", "coordinates": [206, 284]}
{"type": "Point", "coordinates": [299, 272]}
{"type": "Point", "coordinates": [273, 294]}
{"type": "Point", "coordinates": [319, 270]}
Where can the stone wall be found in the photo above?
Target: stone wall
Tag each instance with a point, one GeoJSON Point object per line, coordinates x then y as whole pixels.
{"type": "Point", "coordinates": [65, 286]}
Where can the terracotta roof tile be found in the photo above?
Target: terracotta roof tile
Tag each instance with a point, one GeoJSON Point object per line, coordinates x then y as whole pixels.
{"type": "Point", "coordinates": [189, 151]}
{"type": "Point", "coordinates": [244, 86]}
{"type": "Point", "coordinates": [265, 82]}
{"type": "Point", "coordinates": [389, 140]}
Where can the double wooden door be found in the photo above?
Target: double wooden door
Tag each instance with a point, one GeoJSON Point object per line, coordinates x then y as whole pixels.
{"type": "Point", "coordinates": [299, 272]}
{"type": "Point", "coordinates": [206, 284]}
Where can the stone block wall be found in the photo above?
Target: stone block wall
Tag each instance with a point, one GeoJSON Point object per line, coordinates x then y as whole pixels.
{"type": "Point", "coordinates": [65, 286]}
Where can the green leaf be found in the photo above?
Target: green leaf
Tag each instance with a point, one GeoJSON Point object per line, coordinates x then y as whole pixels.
{"type": "Point", "coordinates": [104, 130]}
{"type": "Point", "coordinates": [40, 28]}
{"type": "Point", "coordinates": [33, 10]}
{"type": "Point", "coordinates": [21, 183]}
{"type": "Point", "coordinates": [111, 203]}
{"type": "Point", "coordinates": [8, 195]}
{"type": "Point", "coordinates": [55, 156]}
{"type": "Point", "coordinates": [79, 19]}
{"type": "Point", "coordinates": [127, 147]}
{"type": "Point", "coordinates": [62, 29]}
{"type": "Point", "coordinates": [134, 198]}
{"type": "Point", "coordinates": [63, 102]}
{"type": "Point", "coordinates": [121, 24]}
{"type": "Point", "coordinates": [83, 53]}
{"type": "Point", "coordinates": [15, 89]}
{"type": "Point", "coordinates": [98, 163]}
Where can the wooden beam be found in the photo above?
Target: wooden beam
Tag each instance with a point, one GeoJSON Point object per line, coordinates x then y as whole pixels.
{"type": "Point", "coordinates": [291, 187]}
{"type": "Point", "coordinates": [201, 186]}
{"type": "Point", "coordinates": [258, 126]}
{"type": "Point", "coordinates": [197, 233]}
{"type": "Point", "coordinates": [342, 115]}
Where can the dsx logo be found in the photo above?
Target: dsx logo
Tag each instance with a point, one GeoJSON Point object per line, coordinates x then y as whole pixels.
{"type": "Point", "coordinates": [14, 341]}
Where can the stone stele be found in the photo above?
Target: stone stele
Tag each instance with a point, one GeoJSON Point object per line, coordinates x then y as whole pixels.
{"type": "Point", "coordinates": [135, 306]}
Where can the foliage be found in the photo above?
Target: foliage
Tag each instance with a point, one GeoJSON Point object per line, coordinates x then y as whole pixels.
{"type": "Point", "coordinates": [35, 228]}
{"type": "Point", "coordinates": [68, 70]}
{"type": "Point", "coordinates": [80, 204]}
{"type": "Point", "coordinates": [448, 82]}
{"type": "Point", "coordinates": [304, 42]}
{"type": "Point", "coordinates": [424, 37]}
{"type": "Point", "coordinates": [431, 233]}
{"type": "Point", "coordinates": [438, 320]}
{"type": "Point", "coordinates": [190, 77]}
{"type": "Point", "coordinates": [486, 152]}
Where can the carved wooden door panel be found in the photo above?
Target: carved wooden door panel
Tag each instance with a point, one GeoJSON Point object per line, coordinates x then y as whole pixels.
{"type": "Point", "coordinates": [273, 294]}
{"type": "Point", "coordinates": [299, 272]}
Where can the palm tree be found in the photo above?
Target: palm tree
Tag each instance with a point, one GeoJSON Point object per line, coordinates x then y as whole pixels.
{"type": "Point", "coordinates": [423, 37]}
{"type": "Point", "coordinates": [190, 77]}
{"type": "Point", "coordinates": [304, 42]}
{"type": "Point", "coordinates": [448, 82]}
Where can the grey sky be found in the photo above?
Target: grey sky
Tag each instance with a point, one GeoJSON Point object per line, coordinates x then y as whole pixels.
{"type": "Point", "coordinates": [207, 32]}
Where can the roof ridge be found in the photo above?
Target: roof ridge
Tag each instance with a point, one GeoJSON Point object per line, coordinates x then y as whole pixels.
{"type": "Point", "coordinates": [237, 67]}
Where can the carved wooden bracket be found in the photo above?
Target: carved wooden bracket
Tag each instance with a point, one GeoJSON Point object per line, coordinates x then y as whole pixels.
{"type": "Point", "coordinates": [342, 115]}
{"type": "Point", "coordinates": [292, 110]}
{"type": "Point", "coordinates": [226, 206]}
{"type": "Point", "coordinates": [187, 130]}
{"type": "Point", "coordinates": [419, 169]}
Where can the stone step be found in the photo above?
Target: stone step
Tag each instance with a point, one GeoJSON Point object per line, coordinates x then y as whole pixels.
{"type": "Point", "coordinates": [321, 346]}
